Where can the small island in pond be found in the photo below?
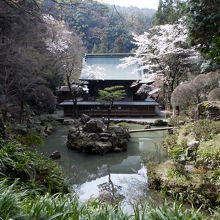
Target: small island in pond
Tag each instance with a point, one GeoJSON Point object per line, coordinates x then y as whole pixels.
{"type": "Point", "coordinates": [92, 136]}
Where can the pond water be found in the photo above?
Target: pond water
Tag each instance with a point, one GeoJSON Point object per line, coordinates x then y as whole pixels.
{"type": "Point", "coordinates": [119, 174]}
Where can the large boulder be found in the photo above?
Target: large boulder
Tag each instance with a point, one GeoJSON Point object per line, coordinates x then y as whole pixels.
{"type": "Point", "coordinates": [84, 118]}
{"type": "Point", "coordinates": [73, 133]}
{"type": "Point", "coordinates": [118, 129]}
{"type": "Point", "coordinates": [94, 126]}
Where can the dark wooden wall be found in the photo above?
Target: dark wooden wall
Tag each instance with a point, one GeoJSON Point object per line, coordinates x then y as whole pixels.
{"type": "Point", "coordinates": [125, 111]}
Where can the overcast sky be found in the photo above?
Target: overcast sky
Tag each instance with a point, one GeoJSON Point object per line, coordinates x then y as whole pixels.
{"type": "Point", "coordinates": [138, 3]}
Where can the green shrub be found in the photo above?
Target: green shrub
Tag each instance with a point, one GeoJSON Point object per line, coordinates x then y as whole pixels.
{"type": "Point", "coordinates": [209, 152]}
{"type": "Point", "coordinates": [173, 173]}
{"type": "Point", "coordinates": [170, 140]}
{"type": "Point", "coordinates": [32, 169]}
{"type": "Point", "coordinates": [176, 151]}
{"type": "Point", "coordinates": [124, 125]}
{"type": "Point", "coordinates": [30, 139]}
{"type": "Point", "coordinates": [203, 129]}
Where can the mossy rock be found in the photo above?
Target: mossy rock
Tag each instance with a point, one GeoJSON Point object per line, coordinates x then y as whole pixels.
{"type": "Point", "coordinates": [209, 110]}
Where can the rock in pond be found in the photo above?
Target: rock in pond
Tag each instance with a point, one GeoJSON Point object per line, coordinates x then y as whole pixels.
{"type": "Point", "coordinates": [94, 138]}
{"type": "Point", "coordinates": [55, 155]}
{"type": "Point", "coordinates": [94, 126]}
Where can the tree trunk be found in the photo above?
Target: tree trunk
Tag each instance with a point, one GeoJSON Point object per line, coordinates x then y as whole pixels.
{"type": "Point", "coordinates": [75, 108]}
{"type": "Point", "coordinates": [21, 111]}
{"type": "Point", "coordinates": [2, 129]}
{"type": "Point", "coordinates": [176, 110]}
{"type": "Point", "coordinates": [109, 113]}
{"type": "Point", "coordinates": [4, 116]}
{"type": "Point", "coordinates": [74, 100]}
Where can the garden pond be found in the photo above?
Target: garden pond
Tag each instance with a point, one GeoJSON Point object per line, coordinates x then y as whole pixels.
{"type": "Point", "coordinates": [121, 175]}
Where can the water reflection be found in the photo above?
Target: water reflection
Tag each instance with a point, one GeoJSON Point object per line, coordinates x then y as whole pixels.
{"type": "Point", "coordinates": [131, 187]}
{"type": "Point", "coordinates": [89, 172]}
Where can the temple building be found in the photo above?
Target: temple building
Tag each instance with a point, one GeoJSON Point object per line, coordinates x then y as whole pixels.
{"type": "Point", "coordinates": [104, 70]}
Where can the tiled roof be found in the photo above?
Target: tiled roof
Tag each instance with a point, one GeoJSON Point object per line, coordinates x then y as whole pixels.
{"type": "Point", "coordinates": [106, 67]}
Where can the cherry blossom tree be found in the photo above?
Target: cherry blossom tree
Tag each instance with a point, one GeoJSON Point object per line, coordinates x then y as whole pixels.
{"type": "Point", "coordinates": [69, 50]}
{"type": "Point", "coordinates": [163, 52]}
{"type": "Point", "coordinates": [66, 45]}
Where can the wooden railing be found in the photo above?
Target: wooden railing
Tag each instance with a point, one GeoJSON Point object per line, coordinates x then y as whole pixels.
{"type": "Point", "coordinates": [114, 113]}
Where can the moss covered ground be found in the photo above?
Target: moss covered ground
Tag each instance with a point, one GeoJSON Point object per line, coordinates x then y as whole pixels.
{"type": "Point", "coordinates": [192, 172]}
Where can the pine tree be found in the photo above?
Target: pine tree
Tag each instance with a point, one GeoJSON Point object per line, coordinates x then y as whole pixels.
{"type": "Point", "coordinates": [109, 95]}
{"type": "Point", "coordinates": [169, 12]}
{"type": "Point", "coordinates": [204, 26]}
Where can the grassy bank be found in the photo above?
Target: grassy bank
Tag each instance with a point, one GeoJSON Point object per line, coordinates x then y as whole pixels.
{"type": "Point", "coordinates": [192, 171]}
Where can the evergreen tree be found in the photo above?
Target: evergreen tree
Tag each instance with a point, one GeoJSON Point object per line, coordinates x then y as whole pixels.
{"type": "Point", "coordinates": [159, 16]}
{"type": "Point", "coordinates": [169, 11]}
{"type": "Point", "coordinates": [109, 95]}
{"type": "Point", "coordinates": [204, 26]}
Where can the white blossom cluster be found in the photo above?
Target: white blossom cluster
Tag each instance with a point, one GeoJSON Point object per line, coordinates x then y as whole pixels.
{"type": "Point", "coordinates": [158, 43]}
{"type": "Point", "coordinates": [59, 36]}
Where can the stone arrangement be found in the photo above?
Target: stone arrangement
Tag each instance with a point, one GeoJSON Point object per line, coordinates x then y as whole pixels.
{"type": "Point", "coordinates": [91, 136]}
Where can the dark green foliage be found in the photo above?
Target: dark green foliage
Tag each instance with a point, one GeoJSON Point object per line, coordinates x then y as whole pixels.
{"type": "Point", "coordinates": [169, 12]}
{"type": "Point", "coordinates": [204, 26]}
{"type": "Point", "coordinates": [32, 170]}
{"type": "Point", "coordinates": [111, 94]}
